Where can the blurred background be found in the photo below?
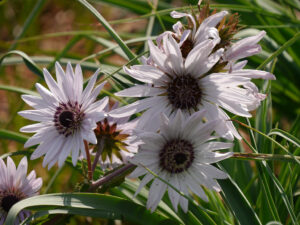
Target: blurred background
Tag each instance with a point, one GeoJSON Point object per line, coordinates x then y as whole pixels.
{"type": "Point", "coordinates": [65, 31]}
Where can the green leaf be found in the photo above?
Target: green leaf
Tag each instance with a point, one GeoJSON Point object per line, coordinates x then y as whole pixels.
{"type": "Point", "coordinates": [110, 30]}
{"type": "Point", "coordinates": [280, 50]}
{"type": "Point", "coordinates": [108, 206]}
{"type": "Point", "coordinates": [17, 90]}
{"type": "Point", "coordinates": [285, 135]}
{"type": "Point", "coordinates": [10, 135]}
{"type": "Point", "coordinates": [35, 11]}
{"type": "Point", "coordinates": [27, 60]}
{"type": "Point", "coordinates": [238, 202]}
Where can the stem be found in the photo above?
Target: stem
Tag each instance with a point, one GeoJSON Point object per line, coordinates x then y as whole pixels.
{"type": "Point", "coordinates": [88, 159]}
{"type": "Point", "coordinates": [109, 177]}
{"type": "Point", "coordinates": [99, 148]}
{"type": "Point", "coordinates": [259, 156]}
{"type": "Point", "coordinates": [271, 139]}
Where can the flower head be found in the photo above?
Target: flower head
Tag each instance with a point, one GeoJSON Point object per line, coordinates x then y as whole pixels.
{"type": "Point", "coordinates": [15, 186]}
{"type": "Point", "coordinates": [115, 135]}
{"type": "Point", "coordinates": [190, 84]}
{"type": "Point", "coordinates": [181, 154]}
{"type": "Point", "coordinates": [212, 25]}
{"type": "Point", "coordinates": [67, 115]}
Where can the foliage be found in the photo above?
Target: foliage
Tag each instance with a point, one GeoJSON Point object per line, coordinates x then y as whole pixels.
{"type": "Point", "coordinates": [258, 191]}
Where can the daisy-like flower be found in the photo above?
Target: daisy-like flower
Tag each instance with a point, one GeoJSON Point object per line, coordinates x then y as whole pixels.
{"type": "Point", "coordinates": [181, 154]}
{"type": "Point", "coordinates": [194, 34]}
{"type": "Point", "coordinates": [115, 135]}
{"type": "Point", "coordinates": [67, 115]}
{"type": "Point", "coordinates": [15, 186]}
{"type": "Point", "coordinates": [176, 83]}
{"type": "Point", "coordinates": [213, 25]}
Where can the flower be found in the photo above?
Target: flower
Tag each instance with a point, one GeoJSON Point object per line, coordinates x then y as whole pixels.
{"type": "Point", "coordinates": [195, 34]}
{"type": "Point", "coordinates": [188, 84]}
{"type": "Point", "coordinates": [118, 143]}
{"type": "Point", "coordinates": [181, 154]}
{"type": "Point", "coordinates": [67, 115]}
{"type": "Point", "coordinates": [15, 186]}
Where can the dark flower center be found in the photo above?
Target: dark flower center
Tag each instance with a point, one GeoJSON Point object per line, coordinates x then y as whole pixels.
{"type": "Point", "coordinates": [184, 92]}
{"type": "Point", "coordinates": [8, 201]}
{"type": "Point", "coordinates": [186, 47]}
{"type": "Point", "coordinates": [68, 118]}
{"type": "Point", "coordinates": [176, 156]}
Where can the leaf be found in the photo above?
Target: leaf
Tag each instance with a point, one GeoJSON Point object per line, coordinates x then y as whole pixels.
{"type": "Point", "coordinates": [10, 135]}
{"type": "Point", "coordinates": [280, 50]}
{"type": "Point", "coordinates": [238, 202]}
{"type": "Point", "coordinates": [285, 135]}
{"type": "Point", "coordinates": [35, 11]}
{"type": "Point", "coordinates": [108, 206]}
{"type": "Point", "coordinates": [17, 90]}
{"type": "Point", "coordinates": [27, 60]}
{"type": "Point", "coordinates": [110, 30]}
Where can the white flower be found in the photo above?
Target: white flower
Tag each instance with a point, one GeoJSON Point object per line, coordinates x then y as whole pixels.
{"type": "Point", "coordinates": [174, 83]}
{"type": "Point", "coordinates": [118, 141]}
{"type": "Point", "coordinates": [206, 29]}
{"type": "Point", "coordinates": [188, 39]}
{"type": "Point", "coordinates": [15, 186]}
{"type": "Point", "coordinates": [67, 115]}
{"type": "Point", "coordinates": [181, 154]}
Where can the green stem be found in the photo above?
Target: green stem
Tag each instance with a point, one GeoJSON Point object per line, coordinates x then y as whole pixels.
{"type": "Point", "coordinates": [260, 156]}
{"type": "Point", "coordinates": [28, 21]}
{"type": "Point", "coordinates": [121, 67]}
{"type": "Point", "coordinates": [271, 139]}
{"type": "Point", "coordinates": [279, 51]}
{"type": "Point", "coordinates": [109, 29]}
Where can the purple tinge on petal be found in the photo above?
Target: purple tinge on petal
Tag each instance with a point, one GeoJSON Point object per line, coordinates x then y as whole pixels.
{"type": "Point", "coordinates": [176, 14]}
{"type": "Point", "coordinates": [244, 48]}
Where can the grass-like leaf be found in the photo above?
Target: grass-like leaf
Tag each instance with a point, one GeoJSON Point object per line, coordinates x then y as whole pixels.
{"type": "Point", "coordinates": [108, 206]}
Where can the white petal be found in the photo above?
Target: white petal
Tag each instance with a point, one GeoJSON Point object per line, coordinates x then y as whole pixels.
{"type": "Point", "coordinates": [208, 25]}
{"type": "Point", "coordinates": [35, 101]}
{"type": "Point", "coordinates": [156, 192]}
{"type": "Point", "coordinates": [53, 86]}
{"type": "Point", "coordinates": [133, 108]}
{"type": "Point", "coordinates": [254, 74]}
{"type": "Point", "coordinates": [42, 135]}
{"type": "Point", "coordinates": [32, 128]}
{"type": "Point", "coordinates": [60, 75]}
{"type": "Point", "coordinates": [245, 47]}
{"type": "Point", "coordinates": [11, 172]}
{"type": "Point", "coordinates": [212, 171]}
{"type": "Point", "coordinates": [88, 89]}
{"type": "Point", "coordinates": [21, 172]}
{"type": "Point", "coordinates": [144, 181]}
{"type": "Point", "coordinates": [159, 57]}
{"type": "Point", "coordinates": [173, 195]}
{"type": "Point", "coordinates": [78, 81]}
{"type": "Point", "coordinates": [46, 95]}
{"type": "Point", "coordinates": [68, 83]}
{"type": "Point", "coordinates": [39, 115]}
{"type": "Point", "coordinates": [87, 100]}
{"type": "Point", "coordinates": [208, 63]}
{"type": "Point", "coordinates": [174, 55]}
{"type": "Point", "coordinates": [140, 91]}
{"type": "Point", "coordinates": [176, 14]}
{"type": "Point", "coordinates": [144, 73]}
{"type": "Point", "coordinates": [197, 55]}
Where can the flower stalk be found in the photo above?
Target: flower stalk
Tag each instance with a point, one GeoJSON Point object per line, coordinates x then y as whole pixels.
{"type": "Point", "coordinates": [117, 173]}
{"type": "Point", "coordinates": [99, 149]}
{"type": "Point", "coordinates": [260, 156]}
{"type": "Point", "coordinates": [88, 159]}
